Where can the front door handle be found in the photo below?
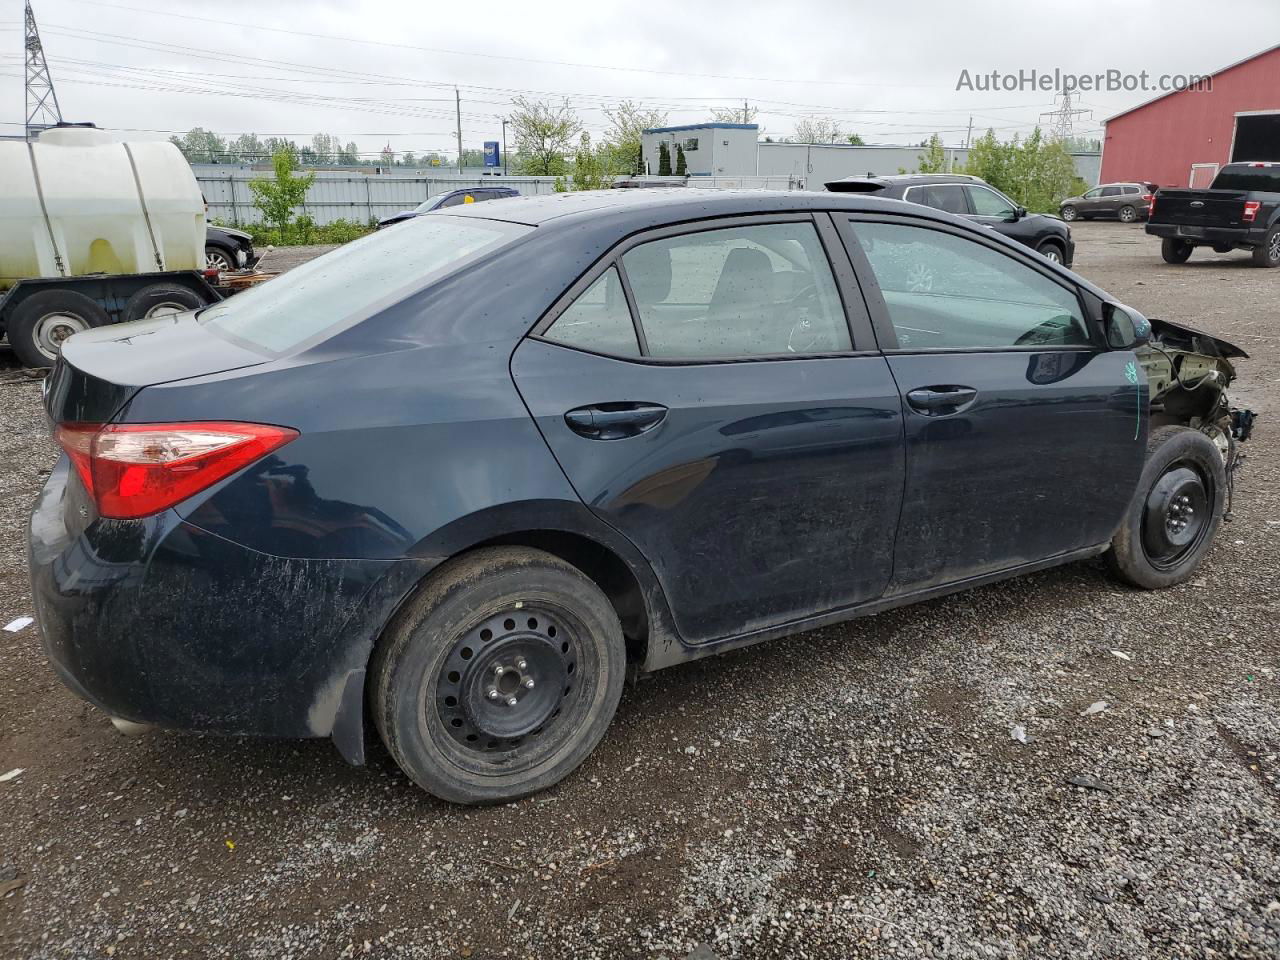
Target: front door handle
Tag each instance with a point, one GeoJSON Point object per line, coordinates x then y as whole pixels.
{"type": "Point", "coordinates": [615, 421]}
{"type": "Point", "coordinates": [940, 400]}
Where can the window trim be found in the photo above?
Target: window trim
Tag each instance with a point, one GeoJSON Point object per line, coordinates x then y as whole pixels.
{"type": "Point", "coordinates": [858, 320]}
{"type": "Point", "coordinates": [879, 309]}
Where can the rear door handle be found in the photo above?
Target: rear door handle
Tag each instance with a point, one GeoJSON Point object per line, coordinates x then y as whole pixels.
{"type": "Point", "coordinates": [615, 421]}
{"type": "Point", "coordinates": [933, 401]}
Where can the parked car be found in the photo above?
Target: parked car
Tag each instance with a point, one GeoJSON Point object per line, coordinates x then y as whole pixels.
{"type": "Point", "coordinates": [588, 433]}
{"type": "Point", "coordinates": [451, 199]}
{"type": "Point", "coordinates": [1239, 211]}
{"type": "Point", "coordinates": [1126, 202]}
{"type": "Point", "coordinates": [976, 200]}
{"type": "Point", "coordinates": [226, 249]}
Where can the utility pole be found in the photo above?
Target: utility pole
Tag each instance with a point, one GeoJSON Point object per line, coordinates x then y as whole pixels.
{"type": "Point", "coordinates": [745, 113]}
{"type": "Point", "coordinates": [42, 102]}
{"type": "Point", "coordinates": [504, 146]}
{"type": "Point", "coordinates": [458, 102]}
{"type": "Point", "coordinates": [968, 137]}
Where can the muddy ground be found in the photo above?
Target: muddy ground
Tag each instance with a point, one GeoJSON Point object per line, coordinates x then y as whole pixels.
{"type": "Point", "coordinates": [852, 792]}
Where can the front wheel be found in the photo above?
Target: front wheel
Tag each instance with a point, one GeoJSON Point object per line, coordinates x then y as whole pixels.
{"type": "Point", "coordinates": [500, 677]}
{"type": "Point", "coordinates": [1051, 251]}
{"type": "Point", "coordinates": [1174, 250]}
{"type": "Point", "coordinates": [1070, 213]}
{"type": "Point", "coordinates": [1175, 513]}
{"type": "Point", "coordinates": [1268, 255]}
{"type": "Point", "coordinates": [219, 258]}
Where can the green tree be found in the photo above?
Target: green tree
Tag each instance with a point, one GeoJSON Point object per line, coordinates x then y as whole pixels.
{"type": "Point", "coordinates": [543, 133]}
{"type": "Point", "coordinates": [856, 140]}
{"type": "Point", "coordinates": [199, 145]}
{"type": "Point", "coordinates": [734, 115]}
{"type": "Point", "coordinates": [593, 167]}
{"type": "Point", "coordinates": [682, 168]}
{"type": "Point", "coordinates": [625, 137]}
{"type": "Point", "coordinates": [277, 198]}
{"type": "Point", "coordinates": [1037, 172]}
{"type": "Point", "coordinates": [350, 155]}
{"type": "Point", "coordinates": [818, 130]}
{"type": "Point", "coordinates": [934, 159]}
{"type": "Point", "coordinates": [664, 159]}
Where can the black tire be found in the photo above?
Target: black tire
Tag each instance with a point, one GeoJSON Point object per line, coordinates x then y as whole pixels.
{"type": "Point", "coordinates": [1268, 255]}
{"type": "Point", "coordinates": [1051, 250]}
{"type": "Point", "coordinates": [1174, 250]}
{"type": "Point", "coordinates": [39, 324]}
{"type": "Point", "coordinates": [1127, 214]}
{"type": "Point", "coordinates": [1070, 213]}
{"type": "Point", "coordinates": [218, 257]}
{"type": "Point", "coordinates": [161, 298]}
{"type": "Point", "coordinates": [499, 623]}
{"type": "Point", "coordinates": [1175, 513]}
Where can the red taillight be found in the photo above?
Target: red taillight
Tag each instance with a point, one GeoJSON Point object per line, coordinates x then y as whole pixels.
{"type": "Point", "coordinates": [1251, 210]}
{"type": "Point", "coordinates": [1151, 212]}
{"type": "Point", "coordinates": [136, 469]}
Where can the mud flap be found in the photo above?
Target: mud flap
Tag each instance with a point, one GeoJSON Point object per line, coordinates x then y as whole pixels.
{"type": "Point", "coordinates": [348, 723]}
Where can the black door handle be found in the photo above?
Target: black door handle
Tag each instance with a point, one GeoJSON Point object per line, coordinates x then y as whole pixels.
{"type": "Point", "coordinates": [615, 421]}
{"type": "Point", "coordinates": [942, 399]}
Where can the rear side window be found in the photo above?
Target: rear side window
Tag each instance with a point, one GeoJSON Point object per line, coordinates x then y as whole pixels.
{"type": "Point", "coordinates": [941, 196]}
{"type": "Point", "coordinates": [760, 290]}
{"type": "Point", "coordinates": [354, 282]}
{"type": "Point", "coordinates": [598, 320]}
{"type": "Point", "coordinates": [947, 292]}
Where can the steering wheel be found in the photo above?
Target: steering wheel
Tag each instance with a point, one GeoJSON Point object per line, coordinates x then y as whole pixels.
{"type": "Point", "coordinates": [803, 337]}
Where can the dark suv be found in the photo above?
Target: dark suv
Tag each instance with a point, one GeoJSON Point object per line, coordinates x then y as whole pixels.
{"type": "Point", "coordinates": [1126, 202]}
{"type": "Point", "coordinates": [975, 199]}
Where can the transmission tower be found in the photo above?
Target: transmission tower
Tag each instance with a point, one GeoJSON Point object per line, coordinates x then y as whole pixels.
{"type": "Point", "coordinates": [1061, 119]}
{"type": "Point", "coordinates": [42, 102]}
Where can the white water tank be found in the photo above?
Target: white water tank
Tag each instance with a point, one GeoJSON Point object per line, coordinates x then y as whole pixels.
{"type": "Point", "coordinates": [76, 202]}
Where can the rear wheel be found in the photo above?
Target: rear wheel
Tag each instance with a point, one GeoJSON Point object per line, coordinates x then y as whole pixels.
{"type": "Point", "coordinates": [1268, 255]}
{"type": "Point", "coordinates": [1070, 213]}
{"type": "Point", "coordinates": [1175, 513]}
{"type": "Point", "coordinates": [1128, 214]}
{"type": "Point", "coordinates": [500, 677]}
{"type": "Point", "coordinates": [41, 323]}
{"type": "Point", "coordinates": [161, 299]}
{"type": "Point", "coordinates": [1174, 250]}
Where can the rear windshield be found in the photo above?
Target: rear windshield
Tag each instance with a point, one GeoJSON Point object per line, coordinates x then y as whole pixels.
{"type": "Point", "coordinates": [355, 281]}
{"type": "Point", "coordinates": [1265, 179]}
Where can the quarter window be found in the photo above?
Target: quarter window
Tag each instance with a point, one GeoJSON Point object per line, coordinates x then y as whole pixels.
{"type": "Point", "coordinates": [598, 320]}
{"type": "Point", "coordinates": [940, 196]}
{"type": "Point", "coordinates": [738, 292]}
{"type": "Point", "coordinates": [947, 292]}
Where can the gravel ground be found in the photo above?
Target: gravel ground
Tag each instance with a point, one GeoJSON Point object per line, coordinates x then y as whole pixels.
{"type": "Point", "coordinates": [852, 792]}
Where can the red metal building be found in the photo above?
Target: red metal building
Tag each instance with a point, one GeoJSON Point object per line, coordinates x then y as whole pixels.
{"type": "Point", "coordinates": [1180, 139]}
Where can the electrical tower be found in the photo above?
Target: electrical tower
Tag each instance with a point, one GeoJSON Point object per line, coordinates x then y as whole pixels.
{"type": "Point", "coordinates": [42, 102]}
{"type": "Point", "coordinates": [1061, 119]}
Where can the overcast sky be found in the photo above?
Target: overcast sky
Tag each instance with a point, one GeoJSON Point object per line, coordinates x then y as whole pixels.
{"type": "Point", "coordinates": [380, 73]}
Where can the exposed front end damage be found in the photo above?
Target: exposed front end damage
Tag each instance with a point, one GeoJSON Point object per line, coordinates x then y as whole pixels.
{"type": "Point", "coordinates": [1189, 372]}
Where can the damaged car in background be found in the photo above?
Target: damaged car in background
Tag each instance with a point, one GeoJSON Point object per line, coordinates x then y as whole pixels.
{"type": "Point", "coordinates": [454, 481]}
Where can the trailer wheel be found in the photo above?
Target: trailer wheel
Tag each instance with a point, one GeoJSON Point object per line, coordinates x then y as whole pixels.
{"type": "Point", "coordinates": [161, 299]}
{"type": "Point", "coordinates": [40, 324]}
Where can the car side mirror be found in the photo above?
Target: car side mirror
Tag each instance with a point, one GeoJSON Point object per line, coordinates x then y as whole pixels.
{"type": "Point", "coordinates": [1018, 214]}
{"type": "Point", "coordinates": [1126, 327]}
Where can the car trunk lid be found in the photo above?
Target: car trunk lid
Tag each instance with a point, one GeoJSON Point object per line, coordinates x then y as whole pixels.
{"type": "Point", "coordinates": [1201, 208]}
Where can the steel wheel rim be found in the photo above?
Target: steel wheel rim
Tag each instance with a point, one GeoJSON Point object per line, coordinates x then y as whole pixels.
{"type": "Point", "coordinates": [53, 329]}
{"type": "Point", "coordinates": [167, 309]}
{"type": "Point", "coordinates": [1177, 515]}
{"type": "Point", "coordinates": [534, 642]}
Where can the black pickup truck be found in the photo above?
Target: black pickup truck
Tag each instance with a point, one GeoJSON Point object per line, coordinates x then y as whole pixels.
{"type": "Point", "coordinates": [1239, 211]}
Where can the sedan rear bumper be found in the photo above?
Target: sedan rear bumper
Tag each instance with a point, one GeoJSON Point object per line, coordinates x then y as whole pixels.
{"type": "Point", "coordinates": [158, 621]}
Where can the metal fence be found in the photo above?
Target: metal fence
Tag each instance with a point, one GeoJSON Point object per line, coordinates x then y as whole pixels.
{"type": "Point", "coordinates": [347, 196]}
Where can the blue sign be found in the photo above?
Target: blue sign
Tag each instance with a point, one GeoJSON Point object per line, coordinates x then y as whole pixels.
{"type": "Point", "coordinates": [491, 156]}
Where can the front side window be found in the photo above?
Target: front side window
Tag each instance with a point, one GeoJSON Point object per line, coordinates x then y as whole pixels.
{"type": "Point", "coordinates": [744, 291]}
{"type": "Point", "coordinates": [948, 292]}
{"type": "Point", "coordinates": [1093, 194]}
{"type": "Point", "coordinates": [988, 203]}
{"type": "Point", "coordinates": [348, 285]}
{"type": "Point", "coordinates": [598, 320]}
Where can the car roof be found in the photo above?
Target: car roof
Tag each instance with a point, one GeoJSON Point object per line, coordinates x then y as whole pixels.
{"type": "Point", "coordinates": [871, 184]}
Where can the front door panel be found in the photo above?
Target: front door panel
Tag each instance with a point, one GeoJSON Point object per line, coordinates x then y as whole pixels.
{"type": "Point", "coordinates": [769, 490]}
{"type": "Point", "coordinates": [1043, 460]}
